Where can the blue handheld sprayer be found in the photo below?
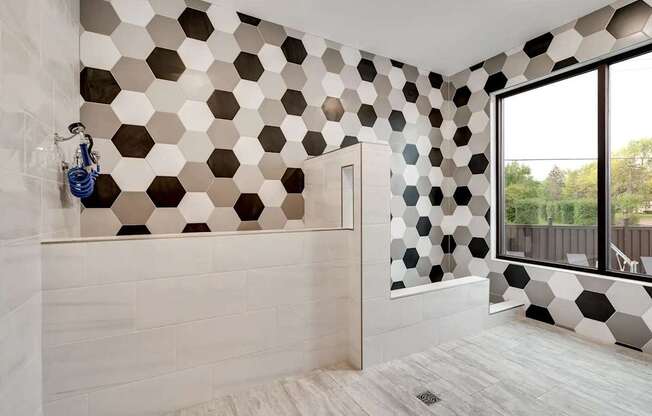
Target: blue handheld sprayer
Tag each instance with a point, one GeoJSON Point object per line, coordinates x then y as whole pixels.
{"type": "Point", "coordinates": [82, 176]}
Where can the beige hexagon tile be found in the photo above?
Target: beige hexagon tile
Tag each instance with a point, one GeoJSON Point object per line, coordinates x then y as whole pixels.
{"type": "Point", "coordinates": [595, 45]}
{"type": "Point", "coordinates": [223, 76]}
{"type": "Point", "coordinates": [223, 192]}
{"type": "Point", "coordinates": [166, 32]}
{"type": "Point", "coordinates": [248, 38]}
{"type": "Point", "coordinates": [223, 219]}
{"type": "Point", "coordinates": [272, 218]}
{"type": "Point", "coordinates": [272, 112]}
{"type": "Point", "coordinates": [294, 154]}
{"type": "Point", "coordinates": [294, 76]}
{"type": "Point", "coordinates": [132, 41]}
{"type": "Point", "coordinates": [196, 177]}
{"type": "Point", "coordinates": [195, 146]}
{"type": "Point", "coordinates": [166, 96]}
{"type": "Point", "coordinates": [166, 221]}
{"type": "Point", "coordinates": [223, 134]}
{"type": "Point", "coordinates": [133, 74]}
{"type": "Point", "coordinates": [165, 128]}
{"type": "Point", "coordinates": [272, 166]}
{"type": "Point", "coordinates": [98, 16]}
{"type": "Point", "coordinates": [133, 208]}
{"type": "Point", "coordinates": [293, 206]}
{"type": "Point", "coordinates": [248, 179]}
{"type": "Point", "coordinates": [248, 122]}
{"type": "Point", "coordinates": [249, 226]}
{"type": "Point", "coordinates": [272, 33]}
{"type": "Point", "coordinates": [99, 222]}
{"type": "Point", "coordinates": [99, 119]}
{"type": "Point", "coordinates": [168, 8]}
{"type": "Point", "coordinates": [223, 46]}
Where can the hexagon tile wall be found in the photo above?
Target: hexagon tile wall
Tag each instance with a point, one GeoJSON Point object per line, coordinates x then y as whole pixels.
{"type": "Point", "coordinates": [602, 309]}
{"type": "Point", "coordinates": [204, 116]}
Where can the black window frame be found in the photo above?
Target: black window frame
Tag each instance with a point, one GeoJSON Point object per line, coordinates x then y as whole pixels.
{"type": "Point", "coordinates": [601, 66]}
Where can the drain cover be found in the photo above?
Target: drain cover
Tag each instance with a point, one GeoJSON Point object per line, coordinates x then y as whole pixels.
{"type": "Point", "coordinates": [428, 397]}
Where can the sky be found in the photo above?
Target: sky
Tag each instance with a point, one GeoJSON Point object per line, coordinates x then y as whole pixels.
{"type": "Point", "coordinates": [558, 121]}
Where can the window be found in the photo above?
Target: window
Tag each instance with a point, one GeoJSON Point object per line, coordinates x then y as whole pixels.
{"type": "Point", "coordinates": [574, 165]}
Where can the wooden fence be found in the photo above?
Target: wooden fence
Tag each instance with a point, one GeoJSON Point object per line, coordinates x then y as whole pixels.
{"type": "Point", "coordinates": [553, 242]}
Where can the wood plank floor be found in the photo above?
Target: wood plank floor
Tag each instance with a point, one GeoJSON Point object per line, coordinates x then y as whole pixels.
{"type": "Point", "coordinates": [522, 368]}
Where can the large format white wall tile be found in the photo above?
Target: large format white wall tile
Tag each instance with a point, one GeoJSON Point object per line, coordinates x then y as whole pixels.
{"type": "Point", "coordinates": [22, 395]}
{"type": "Point", "coordinates": [241, 252]}
{"type": "Point", "coordinates": [20, 340]}
{"type": "Point", "coordinates": [147, 259]}
{"type": "Point", "coordinates": [376, 204]}
{"type": "Point", "coordinates": [382, 315]}
{"type": "Point", "coordinates": [76, 368]}
{"type": "Point", "coordinates": [311, 320]}
{"type": "Point", "coordinates": [456, 299]}
{"type": "Point", "coordinates": [375, 243]}
{"type": "Point", "coordinates": [154, 396]}
{"type": "Point", "coordinates": [212, 340]}
{"type": "Point", "coordinates": [327, 247]}
{"type": "Point", "coordinates": [90, 312]}
{"type": "Point", "coordinates": [20, 277]}
{"type": "Point", "coordinates": [72, 406]}
{"type": "Point", "coordinates": [239, 373]}
{"type": "Point", "coordinates": [176, 300]}
{"type": "Point", "coordinates": [295, 284]}
{"type": "Point", "coordinates": [64, 266]}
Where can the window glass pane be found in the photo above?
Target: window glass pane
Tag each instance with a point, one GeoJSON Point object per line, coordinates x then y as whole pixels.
{"type": "Point", "coordinates": [550, 172]}
{"type": "Point", "coordinates": [631, 165]}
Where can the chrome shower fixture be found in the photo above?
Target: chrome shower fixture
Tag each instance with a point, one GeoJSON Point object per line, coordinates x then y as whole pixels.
{"type": "Point", "coordinates": [86, 169]}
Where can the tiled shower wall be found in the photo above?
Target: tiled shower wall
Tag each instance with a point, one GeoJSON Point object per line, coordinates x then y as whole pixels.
{"type": "Point", "coordinates": [39, 61]}
{"type": "Point", "coordinates": [599, 308]}
{"type": "Point", "coordinates": [203, 117]}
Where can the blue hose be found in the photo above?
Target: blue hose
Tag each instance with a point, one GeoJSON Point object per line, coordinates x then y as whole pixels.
{"type": "Point", "coordinates": [81, 181]}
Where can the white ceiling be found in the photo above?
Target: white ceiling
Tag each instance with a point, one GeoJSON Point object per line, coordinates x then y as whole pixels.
{"type": "Point", "coordinates": [445, 36]}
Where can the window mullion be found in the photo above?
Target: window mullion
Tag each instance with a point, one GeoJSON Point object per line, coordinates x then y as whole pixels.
{"type": "Point", "coordinates": [603, 168]}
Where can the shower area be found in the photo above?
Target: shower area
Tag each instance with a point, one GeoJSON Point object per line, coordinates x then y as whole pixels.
{"type": "Point", "coordinates": [199, 201]}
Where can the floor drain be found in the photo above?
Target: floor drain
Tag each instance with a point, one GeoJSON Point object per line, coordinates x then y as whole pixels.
{"type": "Point", "coordinates": [428, 397]}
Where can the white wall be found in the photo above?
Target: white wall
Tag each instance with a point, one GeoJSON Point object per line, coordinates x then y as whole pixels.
{"type": "Point", "coordinates": [125, 319]}
{"type": "Point", "coordinates": [194, 317]}
{"type": "Point", "coordinates": [394, 327]}
{"type": "Point", "coordinates": [39, 60]}
{"type": "Point", "coordinates": [435, 314]}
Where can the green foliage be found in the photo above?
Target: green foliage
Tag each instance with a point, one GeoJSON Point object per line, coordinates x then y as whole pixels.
{"type": "Point", "coordinates": [567, 211]}
{"type": "Point", "coordinates": [527, 211]}
{"type": "Point", "coordinates": [570, 196]}
{"type": "Point", "coordinates": [586, 212]}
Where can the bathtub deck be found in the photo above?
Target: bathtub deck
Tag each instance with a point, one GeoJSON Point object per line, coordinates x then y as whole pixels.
{"type": "Point", "coordinates": [522, 368]}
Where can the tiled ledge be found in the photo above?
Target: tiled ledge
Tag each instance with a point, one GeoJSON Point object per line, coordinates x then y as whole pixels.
{"type": "Point", "coordinates": [186, 235]}
{"type": "Point", "coordinates": [504, 306]}
{"type": "Point", "coordinates": [432, 287]}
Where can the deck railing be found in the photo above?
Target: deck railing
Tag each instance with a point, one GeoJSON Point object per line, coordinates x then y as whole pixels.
{"type": "Point", "coordinates": [554, 242]}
